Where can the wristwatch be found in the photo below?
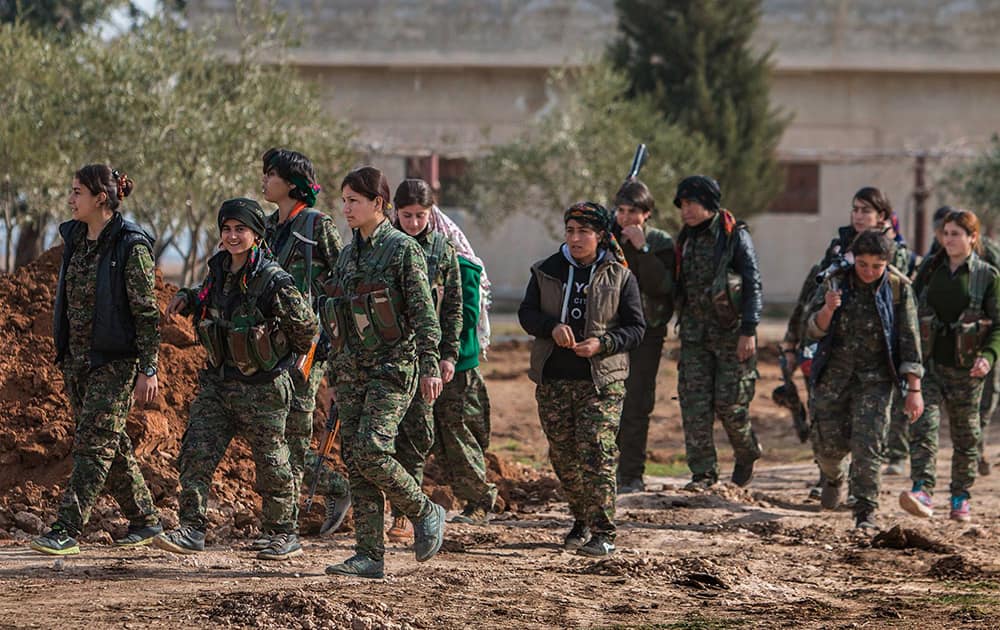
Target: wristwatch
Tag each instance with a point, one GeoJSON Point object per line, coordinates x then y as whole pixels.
{"type": "Point", "coordinates": [150, 371]}
{"type": "Point", "coordinates": [645, 248]}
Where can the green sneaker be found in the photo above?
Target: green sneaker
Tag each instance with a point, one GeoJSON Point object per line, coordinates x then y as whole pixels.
{"type": "Point", "coordinates": [282, 547]}
{"type": "Point", "coordinates": [185, 540]}
{"type": "Point", "coordinates": [358, 565]}
{"type": "Point", "coordinates": [56, 542]}
{"type": "Point", "coordinates": [140, 535]}
{"type": "Point", "coordinates": [472, 515]}
{"type": "Point", "coordinates": [428, 533]}
{"type": "Point", "coordinates": [336, 511]}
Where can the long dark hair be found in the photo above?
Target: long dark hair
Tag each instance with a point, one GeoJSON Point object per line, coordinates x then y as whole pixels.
{"type": "Point", "coordinates": [370, 182]}
{"type": "Point", "coordinates": [413, 191]}
{"type": "Point", "coordinates": [101, 178]}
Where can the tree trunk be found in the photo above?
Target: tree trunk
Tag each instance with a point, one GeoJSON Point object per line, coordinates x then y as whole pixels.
{"type": "Point", "coordinates": [30, 242]}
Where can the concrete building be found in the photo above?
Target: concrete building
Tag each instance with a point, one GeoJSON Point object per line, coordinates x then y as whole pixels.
{"type": "Point", "coordinates": [872, 84]}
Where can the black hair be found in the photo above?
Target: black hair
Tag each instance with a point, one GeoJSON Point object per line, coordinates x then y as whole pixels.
{"type": "Point", "coordinates": [876, 199]}
{"type": "Point", "coordinates": [873, 243]}
{"type": "Point", "coordinates": [413, 191]}
{"type": "Point", "coordinates": [941, 213]}
{"type": "Point", "coordinates": [370, 182]}
{"type": "Point", "coordinates": [636, 194]}
{"type": "Point", "coordinates": [290, 164]}
{"type": "Point", "coordinates": [101, 178]}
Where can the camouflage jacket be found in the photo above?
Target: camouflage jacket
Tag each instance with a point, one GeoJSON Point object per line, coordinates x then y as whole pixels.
{"type": "Point", "coordinates": [289, 252]}
{"type": "Point", "coordinates": [405, 275]}
{"type": "Point", "coordinates": [446, 289]}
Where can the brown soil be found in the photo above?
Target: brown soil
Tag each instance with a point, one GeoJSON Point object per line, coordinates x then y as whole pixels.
{"type": "Point", "coordinates": [729, 557]}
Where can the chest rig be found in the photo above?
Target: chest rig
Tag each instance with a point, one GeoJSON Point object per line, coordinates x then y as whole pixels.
{"type": "Point", "coordinates": [972, 327]}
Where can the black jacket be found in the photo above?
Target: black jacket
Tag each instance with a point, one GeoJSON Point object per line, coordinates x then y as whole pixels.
{"type": "Point", "coordinates": [113, 334]}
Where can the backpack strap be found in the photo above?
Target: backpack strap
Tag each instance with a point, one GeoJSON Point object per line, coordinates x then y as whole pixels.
{"type": "Point", "coordinates": [305, 224]}
{"type": "Point", "coordinates": [981, 275]}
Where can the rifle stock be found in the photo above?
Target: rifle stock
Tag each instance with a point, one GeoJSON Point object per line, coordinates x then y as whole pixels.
{"type": "Point", "coordinates": [330, 432]}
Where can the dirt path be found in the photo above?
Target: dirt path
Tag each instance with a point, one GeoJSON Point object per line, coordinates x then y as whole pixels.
{"type": "Point", "coordinates": [728, 558]}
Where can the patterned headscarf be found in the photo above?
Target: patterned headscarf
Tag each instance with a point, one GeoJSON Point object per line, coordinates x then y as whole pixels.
{"type": "Point", "coordinates": [600, 218]}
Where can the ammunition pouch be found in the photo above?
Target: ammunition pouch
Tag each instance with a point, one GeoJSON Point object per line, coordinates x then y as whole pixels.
{"type": "Point", "coordinates": [727, 297]}
{"type": "Point", "coordinates": [928, 331]}
{"type": "Point", "coordinates": [382, 312]}
{"type": "Point", "coordinates": [333, 319]}
{"type": "Point", "coordinates": [971, 332]}
{"type": "Point", "coordinates": [238, 344]}
{"type": "Point", "coordinates": [268, 346]}
{"type": "Point", "coordinates": [210, 336]}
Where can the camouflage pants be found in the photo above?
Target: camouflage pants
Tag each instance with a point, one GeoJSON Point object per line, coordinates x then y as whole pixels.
{"type": "Point", "coordinates": [462, 432]}
{"type": "Point", "coordinates": [897, 447]}
{"type": "Point", "coordinates": [256, 412]}
{"type": "Point", "coordinates": [959, 394]}
{"type": "Point", "coordinates": [580, 423]}
{"type": "Point", "coordinates": [415, 439]}
{"type": "Point", "coordinates": [640, 397]}
{"type": "Point", "coordinates": [372, 404]}
{"type": "Point", "coordinates": [852, 419]}
{"type": "Point", "coordinates": [712, 383]}
{"type": "Point", "coordinates": [988, 405]}
{"type": "Point", "coordinates": [299, 426]}
{"type": "Point", "coordinates": [330, 483]}
{"type": "Point", "coordinates": [102, 450]}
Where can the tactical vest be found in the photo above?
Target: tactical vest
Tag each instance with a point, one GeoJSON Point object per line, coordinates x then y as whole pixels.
{"type": "Point", "coordinates": [305, 224]}
{"type": "Point", "coordinates": [438, 248]}
{"type": "Point", "coordinates": [245, 338]}
{"type": "Point", "coordinates": [727, 286]}
{"type": "Point", "coordinates": [972, 327]}
{"type": "Point", "coordinates": [372, 315]}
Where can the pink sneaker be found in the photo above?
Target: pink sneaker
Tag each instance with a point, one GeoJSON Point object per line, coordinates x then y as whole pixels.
{"type": "Point", "coordinates": [917, 503]}
{"type": "Point", "coordinates": [960, 510]}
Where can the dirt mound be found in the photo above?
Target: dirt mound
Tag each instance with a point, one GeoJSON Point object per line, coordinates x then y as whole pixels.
{"type": "Point", "coordinates": [299, 609]}
{"type": "Point", "coordinates": [36, 425]}
{"type": "Point", "coordinates": [905, 538]}
{"type": "Point", "coordinates": [955, 567]}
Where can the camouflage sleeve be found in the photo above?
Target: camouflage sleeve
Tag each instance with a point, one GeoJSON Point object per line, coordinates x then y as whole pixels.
{"type": "Point", "coordinates": [191, 301]}
{"type": "Point", "coordinates": [419, 307]}
{"type": "Point", "coordinates": [901, 258]}
{"type": "Point", "coordinates": [140, 285]}
{"type": "Point", "coordinates": [328, 246]}
{"type": "Point", "coordinates": [451, 306]}
{"type": "Point", "coordinates": [794, 333]}
{"type": "Point", "coordinates": [295, 318]}
{"type": "Point", "coordinates": [909, 335]}
{"type": "Point", "coordinates": [812, 330]}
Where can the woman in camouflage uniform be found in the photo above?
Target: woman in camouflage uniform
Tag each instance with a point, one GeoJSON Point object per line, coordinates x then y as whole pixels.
{"type": "Point", "coordinates": [252, 321]}
{"type": "Point", "coordinates": [959, 313]}
{"type": "Point", "coordinates": [108, 355]}
{"type": "Point", "coordinates": [384, 335]}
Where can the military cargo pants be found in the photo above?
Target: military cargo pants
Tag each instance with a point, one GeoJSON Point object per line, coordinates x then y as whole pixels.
{"type": "Point", "coordinates": [640, 397]}
{"type": "Point", "coordinates": [372, 403]}
{"type": "Point", "coordinates": [959, 394]}
{"type": "Point", "coordinates": [256, 412]}
{"type": "Point", "coordinates": [462, 435]}
{"type": "Point", "coordinates": [415, 439]}
{"type": "Point", "coordinates": [852, 418]}
{"type": "Point", "coordinates": [102, 451]}
{"type": "Point", "coordinates": [580, 422]}
{"type": "Point", "coordinates": [299, 426]}
{"type": "Point", "coordinates": [712, 383]}
{"type": "Point", "coordinates": [897, 446]}
{"type": "Point", "coordinates": [988, 405]}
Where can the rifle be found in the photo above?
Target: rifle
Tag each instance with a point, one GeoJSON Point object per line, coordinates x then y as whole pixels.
{"type": "Point", "coordinates": [787, 395]}
{"type": "Point", "coordinates": [304, 362]}
{"type": "Point", "coordinates": [638, 161]}
{"type": "Point", "coordinates": [325, 447]}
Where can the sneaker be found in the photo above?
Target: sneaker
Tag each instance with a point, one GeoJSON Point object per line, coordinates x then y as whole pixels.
{"type": "Point", "coordinates": [139, 536]}
{"type": "Point", "coordinates": [894, 468]}
{"type": "Point", "coordinates": [598, 546]}
{"type": "Point", "coordinates": [984, 467]}
{"type": "Point", "coordinates": [261, 543]}
{"type": "Point", "coordinates": [865, 520]}
{"type": "Point", "coordinates": [742, 473]}
{"type": "Point", "coordinates": [358, 565]}
{"type": "Point", "coordinates": [632, 485]}
{"type": "Point", "coordinates": [428, 533]}
{"type": "Point", "coordinates": [336, 511]}
{"type": "Point", "coordinates": [700, 483]}
{"type": "Point", "coordinates": [472, 515]}
{"type": "Point", "coordinates": [56, 542]}
{"type": "Point", "coordinates": [815, 493]}
{"type": "Point", "coordinates": [851, 501]}
{"type": "Point", "coordinates": [184, 540]}
{"type": "Point", "coordinates": [829, 497]}
{"type": "Point", "coordinates": [917, 501]}
{"type": "Point", "coordinates": [282, 547]}
{"type": "Point", "coordinates": [960, 510]}
{"type": "Point", "coordinates": [401, 530]}
{"type": "Point", "coordinates": [576, 537]}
